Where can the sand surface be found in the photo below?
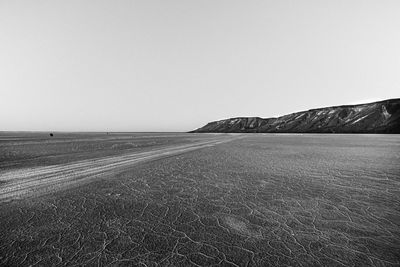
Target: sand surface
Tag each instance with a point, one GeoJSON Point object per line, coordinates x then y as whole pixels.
{"type": "Point", "coordinates": [26, 182]}
{"type": "Point", "coordinates": [200, 200]}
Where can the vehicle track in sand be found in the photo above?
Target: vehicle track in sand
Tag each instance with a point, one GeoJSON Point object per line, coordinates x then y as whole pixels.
{"type": "Point", "coordinates": [21, 183]}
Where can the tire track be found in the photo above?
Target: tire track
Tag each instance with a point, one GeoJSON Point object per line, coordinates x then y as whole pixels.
{"type": "Point", "coordinates": [34, 181]}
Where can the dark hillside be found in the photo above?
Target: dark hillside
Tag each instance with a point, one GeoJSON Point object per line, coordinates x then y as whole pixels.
{"type": "Point", "coordinates": [376, 117]}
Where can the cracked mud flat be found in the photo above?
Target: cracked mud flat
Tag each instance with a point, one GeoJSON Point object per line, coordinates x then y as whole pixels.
{"type": "Point", "coordinates": [203, 200]}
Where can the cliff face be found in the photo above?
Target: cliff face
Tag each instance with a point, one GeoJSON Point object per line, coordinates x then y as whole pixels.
{"type": "Point", "coordinates": [377, 117]}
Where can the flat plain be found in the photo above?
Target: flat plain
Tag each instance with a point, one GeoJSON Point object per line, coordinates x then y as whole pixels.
{"type": "Point", "coordinates": [176, 199]}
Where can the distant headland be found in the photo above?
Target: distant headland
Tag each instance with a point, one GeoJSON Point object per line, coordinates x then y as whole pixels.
{"type": "Point", "coordinates": [377, 117]}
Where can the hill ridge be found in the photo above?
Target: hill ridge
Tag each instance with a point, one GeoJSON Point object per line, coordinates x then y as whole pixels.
{"type": "Point", "coordinates": [375, 117]}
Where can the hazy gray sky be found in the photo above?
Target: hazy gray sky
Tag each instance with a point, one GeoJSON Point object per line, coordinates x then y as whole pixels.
{"type": "Point", "coordinates": [175, 65]}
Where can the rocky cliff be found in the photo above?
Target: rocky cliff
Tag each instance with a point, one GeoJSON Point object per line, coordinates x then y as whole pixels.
{"type": "Point", "coordinates": [377, 117]}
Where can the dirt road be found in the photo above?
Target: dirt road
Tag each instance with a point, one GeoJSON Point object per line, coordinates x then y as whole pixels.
{"type": "Point", "coordinates": [26, 182]}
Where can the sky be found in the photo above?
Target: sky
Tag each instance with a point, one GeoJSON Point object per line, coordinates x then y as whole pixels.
{"type": "Point", "coordinates": [175, 65]}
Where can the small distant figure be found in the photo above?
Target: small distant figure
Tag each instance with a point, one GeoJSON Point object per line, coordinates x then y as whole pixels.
{"type": "Point", "coordinates": [51, 134]}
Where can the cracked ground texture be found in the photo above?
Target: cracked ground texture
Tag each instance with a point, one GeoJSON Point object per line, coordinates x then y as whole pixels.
{"type": "Point", "coordinates": [257, 200]}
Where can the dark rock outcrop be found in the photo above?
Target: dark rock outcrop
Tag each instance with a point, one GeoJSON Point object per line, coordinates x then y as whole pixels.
{"type": "Point", "coordinates": [376, 117]}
